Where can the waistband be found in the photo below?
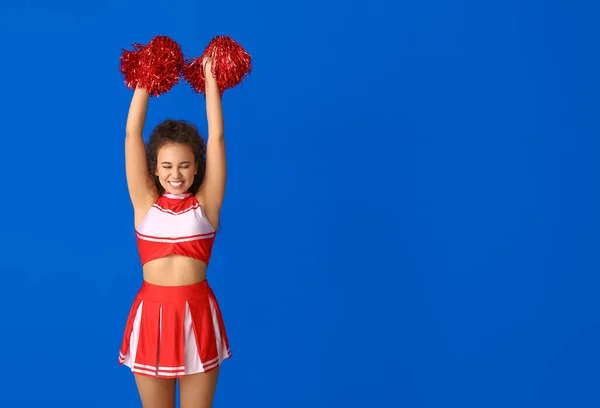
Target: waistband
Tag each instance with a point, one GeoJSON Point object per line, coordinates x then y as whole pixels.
{"type": "Point", "coordinates": [157, 293]}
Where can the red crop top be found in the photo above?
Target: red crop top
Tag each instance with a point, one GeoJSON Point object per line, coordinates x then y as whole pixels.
{"type": "Point", "coordinates": [175, 225]}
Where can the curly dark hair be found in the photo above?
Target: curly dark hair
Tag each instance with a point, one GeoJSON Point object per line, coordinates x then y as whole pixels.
{"type": "Point", "coordinates": [176, 131]}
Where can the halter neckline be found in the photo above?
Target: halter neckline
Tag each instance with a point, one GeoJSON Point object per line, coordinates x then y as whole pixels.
{"type": "Point", "coordinates": [177, 196]}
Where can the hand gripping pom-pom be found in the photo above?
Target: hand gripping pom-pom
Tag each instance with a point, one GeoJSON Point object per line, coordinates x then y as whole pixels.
{"type": "Point", "coordinates": [155, 67]}
{"type": "Point", "coordinates": [230, 64]}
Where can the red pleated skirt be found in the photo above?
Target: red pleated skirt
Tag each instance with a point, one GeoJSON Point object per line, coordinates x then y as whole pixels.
{"type": "Point", "coordinates": [174, 331]}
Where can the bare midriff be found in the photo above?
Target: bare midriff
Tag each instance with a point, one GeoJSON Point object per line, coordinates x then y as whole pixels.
{"type": "Point", "coordinates": [175, 270]}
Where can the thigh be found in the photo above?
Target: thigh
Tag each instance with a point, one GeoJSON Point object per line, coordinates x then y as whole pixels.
{"type": "Point", "coordinates": [156, 392]}
{"type": "Point", "coordinates": [198, 390]}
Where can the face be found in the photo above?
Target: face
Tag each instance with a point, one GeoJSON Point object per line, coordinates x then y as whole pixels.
{"type": "Point", "coordinates": [176, 167]}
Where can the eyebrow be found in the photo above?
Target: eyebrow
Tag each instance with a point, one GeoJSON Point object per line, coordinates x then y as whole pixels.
{"type": "Point", "coordinates": [184, 162]}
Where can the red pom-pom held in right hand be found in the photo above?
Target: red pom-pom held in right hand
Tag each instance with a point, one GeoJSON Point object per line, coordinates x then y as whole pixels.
{"type": "Point", "coordinates": [230, 64]}
{"type": "Point", "coordinates": [155, 67]}
{"type": "Point", "coordinates": [131, 65]}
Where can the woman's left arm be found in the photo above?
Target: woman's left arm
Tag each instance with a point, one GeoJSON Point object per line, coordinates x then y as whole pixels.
{"type": "Point", "coordinates": [212, 191]}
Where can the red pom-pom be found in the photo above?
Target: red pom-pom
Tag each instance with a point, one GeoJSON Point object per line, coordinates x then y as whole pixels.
{"type": "Point", "coordinates": [155, 67]}
{"type": "Point", "coordinates": [230, 64]}
{"type": "Point", "coordinates": [193, 73]}
{"type": "Point", "coordinates": [131, 66]}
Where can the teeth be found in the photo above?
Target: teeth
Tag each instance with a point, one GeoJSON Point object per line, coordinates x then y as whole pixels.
{"type": "Point", "coordinates": [176, 184]}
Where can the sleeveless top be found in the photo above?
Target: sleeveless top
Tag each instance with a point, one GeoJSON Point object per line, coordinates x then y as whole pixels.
{"type": "Point", "coordinates": [175, 225]}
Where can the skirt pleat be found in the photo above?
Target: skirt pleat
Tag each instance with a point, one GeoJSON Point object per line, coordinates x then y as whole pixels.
{"type": "Point", "coordinates": [174, 331]}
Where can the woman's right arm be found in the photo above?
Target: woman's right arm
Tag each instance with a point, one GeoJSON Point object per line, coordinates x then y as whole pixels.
{"type": "Point", "coordinates": [142, 190]}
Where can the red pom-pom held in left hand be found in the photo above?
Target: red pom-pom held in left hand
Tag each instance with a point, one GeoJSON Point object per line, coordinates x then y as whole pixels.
{"type": "Point", "coordinates": [155, 67]}
{"type": "Point", "coordinates": [230, 64]}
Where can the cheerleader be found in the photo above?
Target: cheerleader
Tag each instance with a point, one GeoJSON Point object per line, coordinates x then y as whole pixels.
{"type": "Point", "coordinates": [176, 182]}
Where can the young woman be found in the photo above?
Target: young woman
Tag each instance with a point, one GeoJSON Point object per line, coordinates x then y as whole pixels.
{"type": "Point", "coordinates": [175, 331]}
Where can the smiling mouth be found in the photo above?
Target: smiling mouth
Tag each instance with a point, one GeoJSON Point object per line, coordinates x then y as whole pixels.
{"type": "Point", "coordinates": [176, 184]}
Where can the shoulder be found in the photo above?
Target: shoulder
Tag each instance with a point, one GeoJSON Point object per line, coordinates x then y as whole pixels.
{"type": "Point", "coordinates": [213, 217]}
{"type": "Point", "coordinates": [141, 211]}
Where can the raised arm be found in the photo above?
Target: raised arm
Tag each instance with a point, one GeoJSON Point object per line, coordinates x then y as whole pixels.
{"type": "Point", "coordinates": [212, 191]}
{"type": "Point", "coordinates": [142, 190]}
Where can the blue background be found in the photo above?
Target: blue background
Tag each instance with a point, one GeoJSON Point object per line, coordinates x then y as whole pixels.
{"type": "Point", "coordinates": [411, 217]}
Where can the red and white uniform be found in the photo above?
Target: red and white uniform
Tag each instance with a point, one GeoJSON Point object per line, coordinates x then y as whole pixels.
{"type": "Point", "coordinates": [177, 225]}
{"type": "Point", "coordinates": [173, 331]}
